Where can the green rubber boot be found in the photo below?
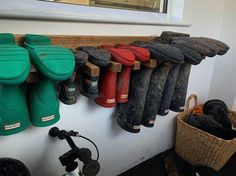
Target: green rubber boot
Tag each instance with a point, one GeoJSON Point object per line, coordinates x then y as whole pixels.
{"type": "Point", "coordinates": [53, 63]}
{"type": "Point", "coordinates": [14, 115]}
{"type": "Point", "coordinates": [14, 69]}
{"type": "Point", "coordinates": [43, 103]}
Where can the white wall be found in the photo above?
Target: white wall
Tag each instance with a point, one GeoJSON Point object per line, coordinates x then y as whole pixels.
{"type": "Point", "coordinates": [223, 84]}
{"type": "Point", "coordinates": [119, 150]}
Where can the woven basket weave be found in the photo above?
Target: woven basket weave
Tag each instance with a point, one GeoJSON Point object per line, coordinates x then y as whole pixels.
{"type": "Point", "coordinates": [198, 147]}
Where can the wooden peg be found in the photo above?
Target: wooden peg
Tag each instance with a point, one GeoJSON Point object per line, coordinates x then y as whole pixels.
{"type": "Point", "coordinates": [115, 66]}
{"type": "Point", "coordinates": [152, 63]}
{"type": "Point", "coordinates": [33, 76]}
{"type": "Point", "coordinates": [136, 66]}
{"type": "Point", "coordinates": [91, 69]}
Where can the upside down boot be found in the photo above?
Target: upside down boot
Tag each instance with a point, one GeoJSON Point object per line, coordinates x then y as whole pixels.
{"type": "Point", "coordinates": [88, 85]}
{"type": "Point", "coordinates": [53, 63]}
{"type": "Point", "coordinates": [43, 103]}
{"type": "Point", "coordinates": [67, 88]}
{"type": "Point", "coordinates": [126, 58]}
{"type": "Point", "coordinates": [130, 114]}
{"type": "Point", "coordinates": [14, 70]}
{"type": "Point", "coordinates": [141, 54]}
{"type": "Point", "coordinates": [107, 89]}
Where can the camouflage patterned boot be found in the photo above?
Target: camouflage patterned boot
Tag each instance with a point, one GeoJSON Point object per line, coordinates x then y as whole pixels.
{"type": "Point", "coordinates": [67, 88]}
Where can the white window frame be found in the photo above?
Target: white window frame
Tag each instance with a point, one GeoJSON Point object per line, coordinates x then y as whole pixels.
{"type": "Point", "coordinates": [43, 10]}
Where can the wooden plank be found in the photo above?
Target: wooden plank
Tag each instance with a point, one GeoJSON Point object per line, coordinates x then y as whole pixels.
{"type": "Point", "coordinates": [91, 69]}
{"type": "Point", "coordinates": [33, 76]}
{"type": "Point", "coordinates": [152, 63]}
{"type": "Point", "coordinates": [115, 66]}
{"type": "Point", "coordinates": [74, 41]}
{"type": "Point", "coordinates": [137, 65]}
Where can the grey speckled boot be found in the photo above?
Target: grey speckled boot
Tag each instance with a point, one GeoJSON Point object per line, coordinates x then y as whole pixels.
{"type": "Point", "coordinates": [168, 90]}
{"type": "Point", "coordinates": [130, 114]}
{"type": "Point", "coordinates": [191, 58]}
{"type": "Point", "coordinates": [156, 88]}
{"type": "Point", "coordinates": [181, 87]}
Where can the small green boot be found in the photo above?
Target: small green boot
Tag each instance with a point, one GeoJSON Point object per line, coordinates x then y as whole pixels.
{"type": "Point", "coordinates": [43, 103]}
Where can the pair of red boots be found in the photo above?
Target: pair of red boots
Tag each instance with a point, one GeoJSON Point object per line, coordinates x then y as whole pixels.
{"type": "Point", "coordinates": [114, 87]}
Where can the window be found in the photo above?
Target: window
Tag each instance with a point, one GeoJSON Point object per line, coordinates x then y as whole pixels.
{"type": "Point", "coordinates": [140, 5]}
{"type": "Point", "coordinates": [99, 11]}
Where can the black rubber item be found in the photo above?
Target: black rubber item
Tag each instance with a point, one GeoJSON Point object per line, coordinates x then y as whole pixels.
{"type": "Point", "coordinates": [201, 48]}
{"type": "Point", "coordinates": [168, 90]}
{"type": "Point", "coordinates": [91, 167]}
{"type": "Point", "coordinates": [13, 167]}
{"type": "Point", "coordinates": [132, 111]}
{"type": "Point", "coordinates": [169, 35]}
{"type": "Point", "coordinates": [99, 57]}
{"type": "Point", "coordinates": [162, 52]}
{"type": "Point", "coordinates": [190, 55]}
{"type": "Point", "coordinates": [155, 92]}
{"type": "Point", "coordinates": [219, 110]}
{"type": "Point", "coordinates": [67, 90]}
{"type": "Point", "coordinates": [224, 47]}
{"type": "Point", "coordinates": [81, 58]}
{"type": "Point", "coordinates": [88, 86]}
{"type": "Point", "coordinates": [181, 87]}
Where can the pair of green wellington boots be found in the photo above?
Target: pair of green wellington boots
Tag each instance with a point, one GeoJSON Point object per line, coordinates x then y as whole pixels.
{"type": "Point", "coordinates": [53, 63]}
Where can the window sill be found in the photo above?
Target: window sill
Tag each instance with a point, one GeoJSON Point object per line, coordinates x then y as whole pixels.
{"type": "Point", "coordinates": [42, 10]}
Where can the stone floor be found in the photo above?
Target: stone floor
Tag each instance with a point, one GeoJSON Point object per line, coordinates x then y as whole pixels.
{"type": "Point", "coordinates": [155, 166]}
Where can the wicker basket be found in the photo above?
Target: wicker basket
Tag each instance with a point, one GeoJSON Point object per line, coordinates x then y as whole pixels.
{"type": "Point", "coordinates": [198, 147]}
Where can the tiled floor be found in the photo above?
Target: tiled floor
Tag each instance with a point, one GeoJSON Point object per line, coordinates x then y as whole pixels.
{"type": "Point", "coordinates": [155, 167]}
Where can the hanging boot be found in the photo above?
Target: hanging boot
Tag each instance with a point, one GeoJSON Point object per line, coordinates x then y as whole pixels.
{"type": "Point", "coordinates": [194, 53]}
{"type": "Point", "coordinates": [154, 94]}
{"type": "Point", "coordinates": [142, 55]}
{"type": "Point", "coordinates": [99, 57]}
{"type": "Point", "coordinates": [67, 88]}
{"type": "Point", "coordinates": [14, 70]}
{"type": "Point", "coordinates": [166, 56]}
{"type": "Point", "coordinates": [130, 114]}
{"type": "Point", "coordinates": [88, 85]}
{"type": "Point", "coordinates": [110, 85]}
{"type": "Point", "coordinates": [191, 58]}
{"type": "Point", "coordinates": [54, 63]}
{"type": "Point", "coordinates": [168, 90]}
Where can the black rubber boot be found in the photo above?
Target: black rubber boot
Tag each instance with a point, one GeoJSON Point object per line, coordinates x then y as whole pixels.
{"type": "Point", "coordinates": [168, 90]}
{"type": "Point", "coordinates": [88, 85]}
{"type": "Point", "coordinates": [99, 57]}
{"type": "Point", "coordinates": [181, 87]}
{"type": "Point", "coordinates": [130, 114]}
{"type": "Point", "coordinates": [155, 91]}
{"type": "Point", "coordinates": [67, 90]}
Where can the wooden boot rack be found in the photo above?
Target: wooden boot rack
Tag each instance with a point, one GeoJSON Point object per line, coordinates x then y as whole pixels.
{"type": "Point", "coordinates": [74, 41]}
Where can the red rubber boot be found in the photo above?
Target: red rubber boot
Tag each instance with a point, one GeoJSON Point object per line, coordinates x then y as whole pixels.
{"type": "Point", "coordinates": [109, 83]}
{"type": "Point", "coordinates": [107, 89]}
{"type": "Point", "coordinates": [123, 79]}
{"type": "Point", "coordinates": [126, 58]}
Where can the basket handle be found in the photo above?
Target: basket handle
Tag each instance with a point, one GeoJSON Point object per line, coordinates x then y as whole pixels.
{"type": "Point", "coordinates": [193, 96]}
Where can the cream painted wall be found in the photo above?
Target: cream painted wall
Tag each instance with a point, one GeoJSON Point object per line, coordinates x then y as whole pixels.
{"type": "Point", "coordinates": [119, 150]}
{"type": "Point", "coordinates": [223, 84]}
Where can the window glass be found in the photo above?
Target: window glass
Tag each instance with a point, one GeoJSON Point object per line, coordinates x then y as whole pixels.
{"type": "Point", "coordinates": [140, 5]}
